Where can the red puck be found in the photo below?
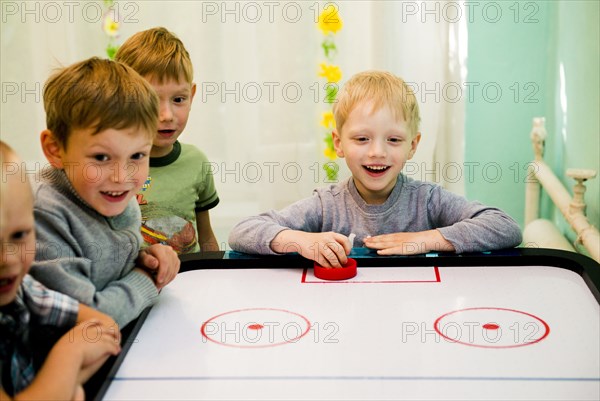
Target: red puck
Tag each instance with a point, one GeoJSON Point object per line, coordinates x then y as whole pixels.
{"type": "Point", "coordinates": [336, 273]}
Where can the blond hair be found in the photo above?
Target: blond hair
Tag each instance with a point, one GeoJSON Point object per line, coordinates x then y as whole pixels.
{"type": "Point", "coordinates": [101, 94]}
{"type": "Point", "coordinates": [157, 54]}
{"type": "Point", "coordinates": [383, 89]}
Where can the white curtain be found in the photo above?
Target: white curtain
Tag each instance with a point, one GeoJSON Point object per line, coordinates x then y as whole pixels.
{"type": "Point", "coordinates": [259, 101]}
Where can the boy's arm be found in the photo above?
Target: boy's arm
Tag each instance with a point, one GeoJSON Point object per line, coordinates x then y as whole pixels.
{"type": "Point", "coordinates": [206, 236]}
{"type": "Point", "coordinates": [255, 234]}
{"type": "Point", "coordinates": [60, 376]}
{"type": "Point", "coordinates": [472, 226]}
{"type": "Point", "coordinates": [457, 225]}
{"type": "Point", "coordinates": [62, 266]}
{"type": "Point", "coordinates": [78, 353]}
{"type": "Point", "coordinates": [122, 299]}
{"type": "Point", "coordinates": [86, 314]}
{"type": "Point", "coordinates": [95, 325]}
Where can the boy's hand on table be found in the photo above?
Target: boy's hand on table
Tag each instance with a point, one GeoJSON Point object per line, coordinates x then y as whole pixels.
{"type": "Point", "coordinates": [328, 249]}
{"type": "Point", "coordinates": [412, 243]}
{"type": "Point", "coordinates": [96, 353]}
{"type": "Point", "coordinates": [162, 260]}
{"type": "Point", "coordinates": [92, 342]}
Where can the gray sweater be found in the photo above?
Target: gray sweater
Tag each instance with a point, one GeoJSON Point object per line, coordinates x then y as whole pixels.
{"type": "Point", "coordinates": [86, 255]}
{"type": "Point", "coordinates": [412, 206]}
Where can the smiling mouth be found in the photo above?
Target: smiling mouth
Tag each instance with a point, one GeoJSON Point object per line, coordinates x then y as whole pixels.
{"type": "Point", "coordinates": [166, 132]}
{"type": "Point", "coordinates": [113, 194]}
{"type": "Point", "coordinates": [376, 169]}
{"type": "Point", "coordinates": [6, 283]}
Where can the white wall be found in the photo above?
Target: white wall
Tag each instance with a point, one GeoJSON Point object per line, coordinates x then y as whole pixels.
{"type": "Point", "coordinates": [258, 143]}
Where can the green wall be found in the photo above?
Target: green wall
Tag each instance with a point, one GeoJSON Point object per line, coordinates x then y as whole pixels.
{"type": "Point", "coordinates": [575, 139]}
{"type": "Point", "coordinates": [521, 51]}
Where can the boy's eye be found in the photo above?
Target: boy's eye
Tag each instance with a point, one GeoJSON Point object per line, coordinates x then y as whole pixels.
{"type": "Point", "coordinates": [19, 235]}
{"type": "Point", "coordinates": [362, 139]}
{"type": "Point", "coordinates": [138, 156]}
{"type": "Point", "coordinates": [395, 140]}
{"type": "Point", "coordinates": [100, 158]}
{"type": "Point", "coordinates": [179, 99]}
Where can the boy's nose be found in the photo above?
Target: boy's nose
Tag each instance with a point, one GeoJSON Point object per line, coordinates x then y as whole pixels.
{"type": "Point", "coordinates": [119, 172]}
{"type": "Point", "coordinates": [377, 149]}
{"type": "Point", "coordinates": [165, 113]}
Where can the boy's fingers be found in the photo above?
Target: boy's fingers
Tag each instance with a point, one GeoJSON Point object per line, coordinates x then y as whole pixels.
{"type": "Point", "coordinates": [148, 260]}
{"type": "Point", "coordinates": [335, 254]}
{"type": "Point", "coordinates": [380, 238]}
{"type": "Point", "coordinates": [373, 243]}
{"type": "Point", "coordinates": [326, 256]}
{"type": "Point", "coordinates": [389, 251]}
{"type": "Point", "coordinates": [341, 252]}
{"type": "Point", "coordinates": [345, 242]}
{"type": "Point", "coordinates": [383, 241]}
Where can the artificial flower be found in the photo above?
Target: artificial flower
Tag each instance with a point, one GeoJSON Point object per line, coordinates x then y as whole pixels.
{"type": "Point", "coordinates": [110, 26]}
{"type": "Point", "coordinates": [329, 20]}
{"type": "Point", "coordinates": [328, 121]}
{"type": "Point", "coordinates": [331, 72]}
{"type": "Point", "coordinates": [330, 153]}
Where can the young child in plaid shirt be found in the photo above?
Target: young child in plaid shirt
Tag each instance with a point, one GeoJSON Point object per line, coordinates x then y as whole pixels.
{"type": "Point", "coordinates": [29, 312]}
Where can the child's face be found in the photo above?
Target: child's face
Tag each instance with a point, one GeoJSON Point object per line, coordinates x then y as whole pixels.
{"type": "Point", "coordinates": [17, 235]}
{"type": "Point", "coordinates": [376, 147]}
{"type": "Point", "coordinates": [175, 103]}
{"type": "Point", "coordinates": [106, 169]}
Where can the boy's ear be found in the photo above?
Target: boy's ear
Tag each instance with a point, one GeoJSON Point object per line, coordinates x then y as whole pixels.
{"type": "Point", "coordinates": [193, 90]}
{"type": "Point", "coordinates": [337, 143]}
{"type": "Point", "coordinates": [413, 145]}
{"type": "Point", "coordinates": [52, 149]}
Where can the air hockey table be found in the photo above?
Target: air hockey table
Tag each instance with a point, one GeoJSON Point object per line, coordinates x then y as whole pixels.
{"type": "Point", "coordinates": [512, 324]}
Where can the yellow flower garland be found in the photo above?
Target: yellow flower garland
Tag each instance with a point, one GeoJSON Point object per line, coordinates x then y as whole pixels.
{"type": "Point", "coordinates": [329, 23]}
{"type": "Point", "coordinates": [110, 26]}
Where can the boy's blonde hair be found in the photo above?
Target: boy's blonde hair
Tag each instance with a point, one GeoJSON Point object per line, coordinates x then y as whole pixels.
{"type": "Point", "coordinates": [383, 89]}
{"type": "Point", "coordinates": [100, 94]}
{"type": "Point", "coordinates": [157, 54]}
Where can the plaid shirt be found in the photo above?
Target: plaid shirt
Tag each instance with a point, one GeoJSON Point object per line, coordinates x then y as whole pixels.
{"type": "Point", "coordinates": [33, 305]}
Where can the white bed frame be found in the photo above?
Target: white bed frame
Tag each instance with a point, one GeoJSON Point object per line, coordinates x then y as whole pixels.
{"type": "Point", "coordinates": [541, 232]}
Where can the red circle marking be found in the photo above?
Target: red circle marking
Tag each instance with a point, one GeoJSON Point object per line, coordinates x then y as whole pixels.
{"type": "Point", "coordinates": [491, 326]}
{"type": "Point", "coordinates": [203, 328]}
{"type": "Point", "coordinates": [437, 328]}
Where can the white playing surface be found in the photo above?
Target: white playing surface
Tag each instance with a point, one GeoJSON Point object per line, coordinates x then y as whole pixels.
{"type": "Point", "coordinates": [502, 333]}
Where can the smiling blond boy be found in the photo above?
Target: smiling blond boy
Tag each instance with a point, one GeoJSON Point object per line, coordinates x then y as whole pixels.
{"type": "Point", "coordinates": [377, 119]}
{"type": "Point", "coordinates": [30, 312]}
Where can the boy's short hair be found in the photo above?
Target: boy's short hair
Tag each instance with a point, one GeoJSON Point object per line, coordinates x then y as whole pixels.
{"type": "Point", "coordinates": [101, 94]}
{"type": "Point", "coordinates": [157, 54]}
{"type": "Point", "coordinates": [383, 89]}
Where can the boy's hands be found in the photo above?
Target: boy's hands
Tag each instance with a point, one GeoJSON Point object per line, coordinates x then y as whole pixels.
{"type": "Point", "coordinates": [409, 243]}
{"type": "Point", "coordinates": [75, 357]}
{"type": "Point", "coordinates": [327, 249]}
{"type": "Point", "coordinates": [96, 342]}
{"type": "Point", "coordinates": [161, 260]}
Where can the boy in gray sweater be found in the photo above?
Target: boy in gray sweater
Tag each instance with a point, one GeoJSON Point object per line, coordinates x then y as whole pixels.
{"type": "Point", "coordinates": [377, 132]}
{"type": "Point", "coordinates": [101, 119]}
